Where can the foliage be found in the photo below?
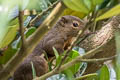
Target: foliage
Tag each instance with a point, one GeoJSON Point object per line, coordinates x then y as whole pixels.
{"type": "Point", "coordinates": [73, 55]}
{"type": "Point", "coordinates": [10, 36]}
{"type": "Point", "coordinates": [104, 73]}
{"type": "Point", "coordinates": [7, 55]}
{"type": "Point", "coordinates": [69, 73]}
{"type": "Point", "coordinates": [13, 47]}
{"type": "Point", "coordinates": [114, 11]}
{"type": "Point", "coordinates": [81, 8]}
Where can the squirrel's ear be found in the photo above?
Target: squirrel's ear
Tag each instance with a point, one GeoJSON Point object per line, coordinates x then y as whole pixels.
{"type": "Point", "coordinates": [63, 21]}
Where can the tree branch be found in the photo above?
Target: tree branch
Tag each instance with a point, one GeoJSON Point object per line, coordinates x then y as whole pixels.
{"type": "Point", "coordinates": [21, 27]}
{"type": "Point", "coordinates": [103, 36]}
{"type": "Point", "coordinates": [47, 24]}
{"type": "Point", "coordinates": [32, 22]}
{"type": "Point", "coordinates": [74, 61]}
{"type": "Point", "coordinates": [32, 41]}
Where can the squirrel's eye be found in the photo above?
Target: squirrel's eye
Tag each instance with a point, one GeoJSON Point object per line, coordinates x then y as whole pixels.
{"type": "Point", "coordinates": [75, 24]}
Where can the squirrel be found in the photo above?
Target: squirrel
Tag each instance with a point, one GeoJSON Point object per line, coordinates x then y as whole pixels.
{"type": "Point", "coordinates": [60, 37]}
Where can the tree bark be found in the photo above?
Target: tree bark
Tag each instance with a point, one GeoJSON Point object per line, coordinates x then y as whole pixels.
{"type": "Point", "coordinates": [104, 36]}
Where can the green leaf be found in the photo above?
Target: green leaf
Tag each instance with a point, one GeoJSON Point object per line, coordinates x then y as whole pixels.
{"type": "Point", "coordinates": [88, 3]}
{"type": "Point", "coordinates": [69, 11]}
{"type": "Point", "coordinates": [96, 2]}
{"type": "Point", "coordinates": [117, 66]}
{"type": "Point", "coordinates": [29, 31]}
{"type": "Point", "coordinates": [69, 74]}
{"type": "Point", "coordinates": [6, 14]}
{"type": "Point", "coordinates": [58, 57]}
{"type": "Point", "coordinates": [33, 70]}
{"type": "Point", "coordinates": [16, 43]}
{"type": "Point", "coordinates": [56, 52]}
{"type": "Point", "coordinates": [58, 60]}
{"type": "Point", "coordinates": [74, 68]}
{"type": "Point", "coordinates": [13, 22]}
{"type": "Point", "coordinates": [77, 5]}
{"type": "Point", "coordinates": [9, 36]}
{"type": "Point", "coordinates": [104, 4]}
{"type": "Point", "coordinates": [104, 73]}
{"type": "Point", "coordinates": [7, 55]}
{"type": "Point", "coordinates": [81, 51]}
{"type": "Point", "coordinates": [73, 54]}
{"type": "Point", "coordinates": [112, 12]}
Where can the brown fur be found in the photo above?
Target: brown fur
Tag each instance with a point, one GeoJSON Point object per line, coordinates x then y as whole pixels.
{"type": "Point", "coordinates": [60, 37]}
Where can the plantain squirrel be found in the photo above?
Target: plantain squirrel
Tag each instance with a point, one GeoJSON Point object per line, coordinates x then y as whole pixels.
{"type": "Point", "coordinates": [60, 37]}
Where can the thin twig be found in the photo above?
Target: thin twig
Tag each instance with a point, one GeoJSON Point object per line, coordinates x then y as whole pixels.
{"type": "Point", "coordinates": [65, 66]}
{"type": "Point", "coordinates": [32, 41]}
{"type": "Point", "coordinates": [86, 76]}
{"type": "Point", "coordinates": [74, 61]}
{"type": "Point", "coordinates": [21, 27]}
{"type": "Point", "coordinates": [44, 12]}
{"type": "Point", "coordinates": [96, 60]}
{"type": "Point", "coordinates": [69, 49]}
{"type": "Point", "coordinates": [60, 68]}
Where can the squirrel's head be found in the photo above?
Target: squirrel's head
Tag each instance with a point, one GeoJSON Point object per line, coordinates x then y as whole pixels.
{"type": "Point", "coordinates": [71, 25]}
